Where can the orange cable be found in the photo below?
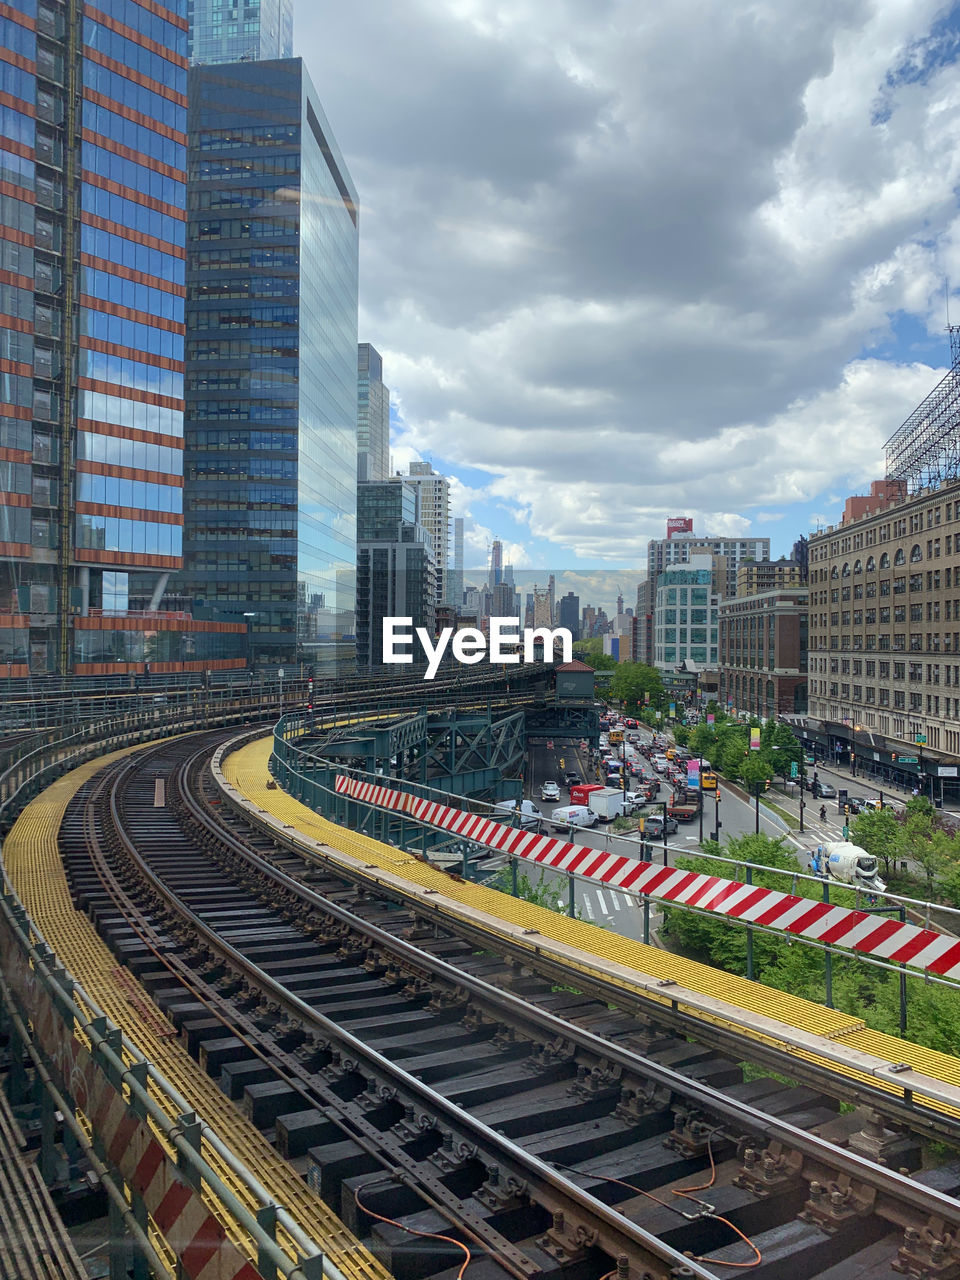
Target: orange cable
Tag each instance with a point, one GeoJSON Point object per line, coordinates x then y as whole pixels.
{"type": "Point", "coordinates": [684, 1192]}
{"type": "Point", "coordinates": [428, 1235]}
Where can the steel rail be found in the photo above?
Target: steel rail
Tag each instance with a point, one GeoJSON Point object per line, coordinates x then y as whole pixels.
{"type": "Point", "coordinates": [550, 1188]}
{"type": "Point", "coordinates": [816, 1148]}
{"type": "Point", "coordinates": [904, 1106]}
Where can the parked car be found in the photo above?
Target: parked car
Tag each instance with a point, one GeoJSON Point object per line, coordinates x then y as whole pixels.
{"type": "Point", "coordinates": [550, 791]}
{"type": "Point", "coordinates": [572, 815]}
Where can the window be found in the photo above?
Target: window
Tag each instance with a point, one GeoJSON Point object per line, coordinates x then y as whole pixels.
{"type": "Point", "coordinates": [900, 557]}
{"type": "Point", "coordinates": [871, 564]}
{"type": "Point", "coordinates": [885, 561]}
{"type": "Point", "coordinates": [858, 566]}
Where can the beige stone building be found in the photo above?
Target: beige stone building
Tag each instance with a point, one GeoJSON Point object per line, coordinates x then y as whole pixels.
{"type": "Point", "coordinates": [884, 632]}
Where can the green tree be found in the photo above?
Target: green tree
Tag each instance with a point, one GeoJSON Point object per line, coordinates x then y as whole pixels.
{"type": "Point", "coordinates": [632, 680]}
{"type": "Point", "coordinates": [917, 838]}
{"type": "Point", "coordinates": [591, 652]}
{"type": "Point", "coordinates": [879, 832]}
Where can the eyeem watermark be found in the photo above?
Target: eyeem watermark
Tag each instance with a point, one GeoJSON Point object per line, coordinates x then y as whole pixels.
{"type": "Point", "coordinates": [506, 643]}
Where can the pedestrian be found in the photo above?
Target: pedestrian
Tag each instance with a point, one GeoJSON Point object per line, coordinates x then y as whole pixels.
{"type": "Point", "coordinates": [915, 791]}
{"type": "Point", "coordinates": [823, 813]}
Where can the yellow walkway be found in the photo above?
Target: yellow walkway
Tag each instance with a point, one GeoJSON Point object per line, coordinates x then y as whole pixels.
{"type": "Point", "coordinates": [33, 863]}
{"type": "Point", "coordinates": [598, 949]}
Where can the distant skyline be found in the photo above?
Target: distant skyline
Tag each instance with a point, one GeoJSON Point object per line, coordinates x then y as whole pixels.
{"type": "Point", "coordinates": [626, 262]}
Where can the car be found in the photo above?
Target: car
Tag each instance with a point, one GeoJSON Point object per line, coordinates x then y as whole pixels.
{"type": "Point", "coordinates": [638, 798]}
{"type": "Point", "coordinates": [572, 815]}
{"type": "Point", "coordinates": [653, 827]}
{"type": "Point", "coordinates": [550, 791]}
{"type": "Point", "coordinates": [824, 791]}
{"type": "Point", "coordinates": [530, 817]}
{"type": "Point", "coordinates": [572, 778]}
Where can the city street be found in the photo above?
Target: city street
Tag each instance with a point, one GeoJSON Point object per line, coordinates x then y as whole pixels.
{"type": "Point", "coordinates": [737, 817]}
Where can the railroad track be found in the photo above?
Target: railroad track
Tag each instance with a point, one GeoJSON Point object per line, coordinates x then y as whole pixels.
{"type": "Point", "coordinates": [426, 1086]}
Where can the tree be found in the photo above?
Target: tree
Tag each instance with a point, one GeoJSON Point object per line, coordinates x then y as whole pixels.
{"type": "Point", "coordinates": [632, 680]}
{"type": "Point", "coordinates": [591, 652]}
{"type": "Point", "coordinates": [879, 833]}
{"type": "Point", "coordinates": [917, 833]}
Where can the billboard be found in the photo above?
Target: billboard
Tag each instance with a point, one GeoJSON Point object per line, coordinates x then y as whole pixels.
{"type": "Point", "coordinates": [679, 524]}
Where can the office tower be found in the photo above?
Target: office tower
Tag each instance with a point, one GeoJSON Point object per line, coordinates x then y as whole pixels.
{"type": "Point", "coordinates": [569, 614]}
{"type": "Point", "coordinates": [239, 30]}
{"type": "Point", "coordinates": [91, 334]}
{"type": "Point", "coordinates": [395, 568]}
{"type": "Point", "coordinates": [434, 506]}
{"type": "Point", "coordinates": [552, 597]}
{"type": "Point", "coordinates": [373, 416]}
{"type": "Point", "coordinates": [496, 562]}
{"type": "Point", "coordinates": [271, 455]}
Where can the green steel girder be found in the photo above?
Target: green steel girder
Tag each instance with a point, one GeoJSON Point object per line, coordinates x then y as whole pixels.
{"type": "Point", "coordinates": [564, 722]}
{"type": "Point", "coordinates": [465, 744]}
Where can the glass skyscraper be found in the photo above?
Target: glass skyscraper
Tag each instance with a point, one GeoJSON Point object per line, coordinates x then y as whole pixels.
{"type": "Point", "coordinates": [373, 416]}
{"type": "Point", "coordinates": [92, 252]}
{"type": "Point", "coordinates": [271, 449]}
{"type": "Point", "coordinates": [240, 30]}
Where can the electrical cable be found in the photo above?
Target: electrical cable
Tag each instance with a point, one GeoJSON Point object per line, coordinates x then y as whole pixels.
{"type": "Point", "coordinates": [685, 1193]}
{"type": "Point", "coordinates": [428, 1235]}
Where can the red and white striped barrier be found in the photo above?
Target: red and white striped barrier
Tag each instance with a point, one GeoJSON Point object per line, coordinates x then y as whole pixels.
{"type": "Point", "coordinates": [860, 931]}
{"type": "Point", "coordinates": [195, 1235]}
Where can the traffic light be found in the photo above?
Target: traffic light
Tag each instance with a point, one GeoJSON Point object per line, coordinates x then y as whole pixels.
{"type": "Point", "coordinates": [310, 693]}
{"type": "Point", "coordinates": [846, 811]}
{"type": "Point", "coordinates": [893, 757]}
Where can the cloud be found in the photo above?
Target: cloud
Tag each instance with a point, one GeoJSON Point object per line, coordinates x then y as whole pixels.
{"type": "Point", "coordinates": [634, 261]}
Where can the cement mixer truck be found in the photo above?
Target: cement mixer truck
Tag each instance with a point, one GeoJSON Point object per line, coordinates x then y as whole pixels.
{"type": "Point", "coordinates": [848, 863]}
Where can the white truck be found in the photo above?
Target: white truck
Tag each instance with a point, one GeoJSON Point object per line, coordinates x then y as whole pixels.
{"type": "Point", "coordinates": [610, 802]}
{"type": "Point", "coordinates": [847, 862]}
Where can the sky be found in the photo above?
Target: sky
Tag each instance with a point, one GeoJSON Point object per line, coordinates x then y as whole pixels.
{"type": "Point", "coordinates": [627, 260]}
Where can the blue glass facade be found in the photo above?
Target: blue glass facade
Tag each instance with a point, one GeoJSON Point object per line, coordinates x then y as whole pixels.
{"type": "Point", "coordinates": [92, 246]}
{"type": "Point", "coordinates": [240, 30]}
{"type": "Point", "coordinates": [373, 416]}
{"type": "Point", "coordinates": [270, 515]}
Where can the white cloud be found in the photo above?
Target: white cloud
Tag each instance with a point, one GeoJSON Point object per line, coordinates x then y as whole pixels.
{"type": "Point", "coordinates": [626, 260]}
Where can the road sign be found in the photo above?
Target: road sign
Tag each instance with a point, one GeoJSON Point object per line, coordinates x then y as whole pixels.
{"type": "Point", "coordinates": [920, 739]}
{"type": "Point", "coordinates": [794, 769]}
{"type": "Point", "coordinates": [907, 760]}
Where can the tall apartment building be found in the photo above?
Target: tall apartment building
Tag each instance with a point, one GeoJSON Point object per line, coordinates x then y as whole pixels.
{"type": "Point", "coordinates": [644, 646]}
{"type": "Point", "coordinates": [271, 450]}
{"type": "Point", "coordinates": [92, 249]}
{"type": "Point", "coordinates": [240, 30]}
{"type": "Point", "coordinates": [433, 492]}
{"type": "Point", "coordinates": [373, 416]}
{"type": "Point", "coordinates": [663, 553]}
{"type": "Point", "coordinates": [884, 658]}
{"type": "Point", "coordinates": [685, 615]}
{"type": "Point", "coordinates": [763, 651]}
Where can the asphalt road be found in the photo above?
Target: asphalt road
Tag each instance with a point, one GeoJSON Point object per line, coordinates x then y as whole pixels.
{"type": "Point", "coordinates": [737, 817]}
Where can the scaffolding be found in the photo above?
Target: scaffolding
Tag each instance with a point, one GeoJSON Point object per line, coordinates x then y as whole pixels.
{"type": "Point", "coordinates": [925, 451]}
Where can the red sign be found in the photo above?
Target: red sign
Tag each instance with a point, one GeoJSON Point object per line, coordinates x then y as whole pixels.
{"type": "Point", "coordinates": [679, 524]}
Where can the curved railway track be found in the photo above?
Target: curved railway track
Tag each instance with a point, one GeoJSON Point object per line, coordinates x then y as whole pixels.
{"type": "Point", "coordinates": [456, 1106]}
